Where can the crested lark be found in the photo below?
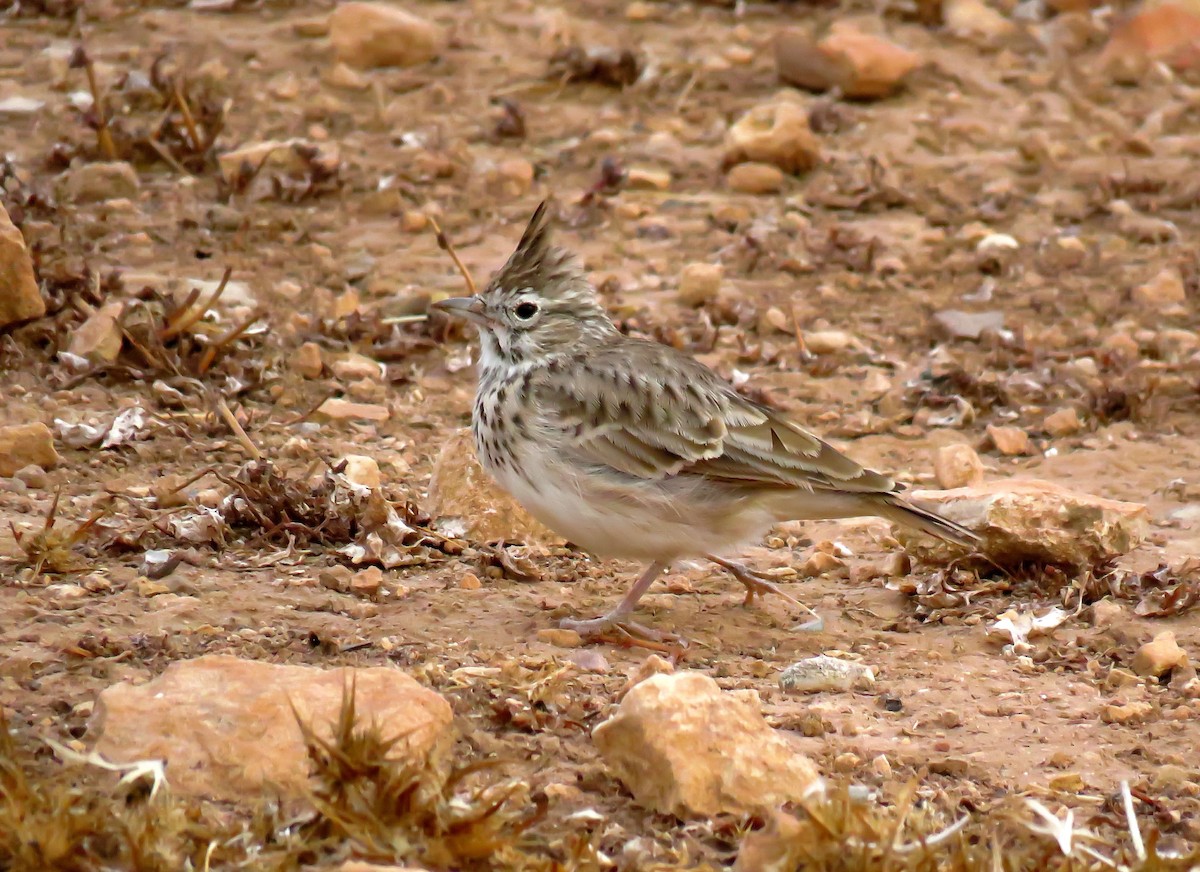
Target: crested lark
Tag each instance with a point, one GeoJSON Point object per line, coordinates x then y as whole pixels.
{"type": "Point", "coordinates": [632, 449]}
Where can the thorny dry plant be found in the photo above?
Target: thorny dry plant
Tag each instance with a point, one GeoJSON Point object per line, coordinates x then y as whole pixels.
{"type": "Point", "coordinates": [53, 548]}
{"type": "Point", "coordinates": [392, 809]}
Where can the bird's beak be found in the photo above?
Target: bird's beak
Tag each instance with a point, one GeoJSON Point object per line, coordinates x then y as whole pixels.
{"type": "Point", "coordinates": [470, 308]}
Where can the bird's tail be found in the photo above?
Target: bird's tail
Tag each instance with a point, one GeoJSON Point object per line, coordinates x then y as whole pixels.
{"type": "Point", "coordinates": [901, 511]}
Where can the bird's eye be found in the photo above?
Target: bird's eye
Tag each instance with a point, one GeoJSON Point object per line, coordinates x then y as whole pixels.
{"type": "Point", "coordinates": [525, 311]}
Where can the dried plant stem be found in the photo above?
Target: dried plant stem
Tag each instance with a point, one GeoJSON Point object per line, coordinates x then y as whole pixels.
{"type": "Point", "coordinates": [445, 245]}
{"type": "Point", "coordinates": [103, 135]}
{"type": "Point", "coordinates": [210, 353]}
{"type": "Point", "coordinates": [195, 313]}
{"type": "Point", "coordinates": [232, 421]}
{"type": "Point", "coordinates": [168, 157]}
{"type": "Point", "coordinates": [186, 111]}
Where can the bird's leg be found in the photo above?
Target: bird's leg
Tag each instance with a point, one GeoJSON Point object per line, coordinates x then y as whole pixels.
{"type": "Point", "coordinates": [757, 585]}
{"type": "Point", "coordinates": [617, 619]}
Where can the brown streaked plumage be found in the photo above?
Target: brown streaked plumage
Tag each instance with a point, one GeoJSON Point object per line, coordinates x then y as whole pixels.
{"type": "Point", "coordinates": [632, 449]}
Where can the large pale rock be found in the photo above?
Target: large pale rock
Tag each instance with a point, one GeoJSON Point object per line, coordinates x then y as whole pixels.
{"type": "Point", "coordinates": [466, 503]}
{"type": "Point", "coordinates": [20, 298]}
{"type": "Point", "coordinates": [226, 729]}
{"type": "Point", "coordinates": [24, 445]}
{"type": "Point", "coordinates": [99, 338]}
{"type": "Point", "coordinates": [1159, 655]}
{"type": "Point", "coordinates": [367, 35]}
{"type": "Point", "coordinates": [1032, 520]}
{"type": "Point", "coordinates": [685, 747]}
{"type": "Point", "coordinates": [773, 133]}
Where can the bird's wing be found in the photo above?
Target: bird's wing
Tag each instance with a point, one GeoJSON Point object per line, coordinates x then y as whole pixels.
{"type": "Point", "coordinates": [647, 411]}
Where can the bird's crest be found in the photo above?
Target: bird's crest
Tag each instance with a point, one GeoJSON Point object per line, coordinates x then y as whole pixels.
{"type": "Point", "coordinates": [537, 263]}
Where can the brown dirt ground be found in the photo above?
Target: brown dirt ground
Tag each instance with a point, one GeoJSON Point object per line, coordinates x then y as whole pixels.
{"type": "Point", "coordinates": [1016, 140]}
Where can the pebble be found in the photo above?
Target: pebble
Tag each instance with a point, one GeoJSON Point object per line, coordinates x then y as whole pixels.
{"type": "Point", "coordinates": [1164, 290]}
{"type": "Point", "coordinates": [829, 341]}
{"type": "Point", "coordinates": [819, 564]}
{"type": "Point", "coordinates": [22, 445]}
{"type": "Point", "coordinates": [470, 581]}
{"type": "Point", "coordinates": [1063, 422]}
{"type": "Point", "coordinates": [976, 20]}
{"type": "Point", "coordinates": [775, 133]}
{"type": "Point", "coordinates": [560, 638]}
{"type": "Point", "coordinates": [353, 367]}
{"type": "Point", "coordinates": [342, 75]}
{"type": "Point", "coordinates": [1130, 713]}
{"type": "Point", "coordinates": [957, 324]}
{"type": "Point", "coordinates": [342, 410]}
{"type": "Point", "coordinates": [753, 177]}
{"type": "Point", "coordinates": [1159, 656]}
{"type": "Point", "coordinates": [647, 178]}
{"type": "Point", "coordinates": [1010, 441]}
{"type": "Point", "coordinates": [824, 673]}
{"type": "Point", "coordinates": [99, 338]}
{"type": "Point", "coordinates": [1106, 612]}
{"type": "Point", "coordinates": [860, 65]}
{"type": "Point", "coordinates": [1166, 32]}
{"type": "Point", "coordinates": [367, 582]}
{"type": "Point", "coordinates": [700, 283]}
{"type": "Point", "coordinates": [957, 465]}
{"type": "Point", "coordinates": [307, 360]}
{"type": "Point", "coordinates": [22, 298]}
{"type": "Point", "coordinates": [95, 182]}
{"type": "Point", "coordinates": [362, 470]}
{"type": "Point", "coordinates": [368, 35]}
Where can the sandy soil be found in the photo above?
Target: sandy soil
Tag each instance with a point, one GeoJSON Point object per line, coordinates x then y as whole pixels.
{"type": "Point", "coordinates": [877, 239]}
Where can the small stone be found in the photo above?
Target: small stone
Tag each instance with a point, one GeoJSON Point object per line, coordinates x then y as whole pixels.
{"type": "Point", "coordinates": [1009, 441]}
{"type": "Point", "coordinates": [1070, 782]}
{"type": "Point", "coordinates": [367, 582]}
{"type": "Point", "coordinates": [470, 581]}
{"type": "Point", "coordinates": [1130, 713]}
{"type": "Point", "coordinates": [335, 578]}
{"type": "Point", "coordinates": [957, 465]}
{"type": "Point", "coordinates": [700, 282]}
{"type": "Point", "coordinates": [290, 155]}
{"type": "Point", "coordinates": [33, 476]}
{"type": "Point", "coordinates": [652, 665]}
{"type": "Point", "coordinates": [861, 66]}
{"type": "Point", "coordinates": [1158, 656]}
{"type": "Point", "coordinates": [974, 19]}
{"type": "Point", "coordinates": [957, 324]}
{"type": "Point", "coordinates": [560, 638]}
{"type": "Point", "coordinates": [342, 75]}
{"type": "Point", "coordinates": [829, 341]}
{"type": "Point", "coordinates": [466, 503]}
{"type": "Point", "coordinates": [368, 35]}
{"type": "Point", "coordinates": [95, 182]}
{"type": "Point", "coordinates": [21, 298]}
{"type": "Point", "coordinates": [147, 587]}
{"type": "Point", "coordinates": [311, 28]}
{"type": "Point", "coordinates": [99, 338]}
{"type": "Point", "coordinates": [1064, 422]}
{"type": "Point", "coordinates": [1165, 289]}
{"type": "Point", "coordinates": [775, 133]}
{"type": "Point", "coordinates": [514, 176]}
{"type": "Point", "coordinates": [1029, 520]}
{"type": "Point", "coordinates": [343, 410]}
{"type": "Point", "coordinates": [950, 719]}
{"type": "Point", "coordinates": [1167, 32]}
{"type": "Point", "coordinates": [353, 367]}
{"type": "Point", "coordinates": [413, 221]}
{"type": "Point", "coordinates": [24, 444]}
{"type": "Point", "coordinates": [647, 178]}
{"type": "Point", "coordinates": [819, 564]}
{"type": "Point", "coordinates": [881, 767]}
{"type": "Point", "coordinates": [755, 178]}
{"type": "Point", "coordinates": [362, 470]}
{"type": "Point", "coordinates": [226, 727]}
{"type": "Point", "coordinates": [685, 747]}
{"type": "Point", "coordinates": [823, 673]}
{"type": "Point", "coordinates": [1106, 612]}
{"type": "Point", "coordinates": [307, 360]}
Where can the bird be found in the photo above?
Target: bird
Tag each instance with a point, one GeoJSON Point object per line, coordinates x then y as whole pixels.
{"type": "Point", "coordinates": [632, 449]}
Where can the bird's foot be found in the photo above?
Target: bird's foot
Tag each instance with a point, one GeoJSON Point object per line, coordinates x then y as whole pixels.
{"type": "Point", "coordinates": [615, 628]}
{"type": "Point", "coordinates": [757, 585]}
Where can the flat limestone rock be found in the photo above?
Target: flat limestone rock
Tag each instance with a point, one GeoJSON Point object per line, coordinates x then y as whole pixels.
{"type": "Point", "coordinates": [685, 747]}
{"type": "Point", "coordinates": [1031, 520]}
{"type": "Point", "coordinates": [20, 298]}
{"type": "Point", "coordinates": [465, 502]}
{"type": "Point", "coordinates": [226, 729]}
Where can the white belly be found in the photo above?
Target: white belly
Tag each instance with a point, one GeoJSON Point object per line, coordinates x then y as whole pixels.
{"type": "Point", "coordinates": [650, 526]}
